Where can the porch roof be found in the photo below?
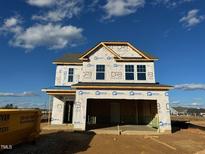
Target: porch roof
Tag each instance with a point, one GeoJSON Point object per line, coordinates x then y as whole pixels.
{"type": "Point", "coordinates": [70, 58]}
{"type": "Point", "coordinates": [59, 90]}
{"type": "Point", "coordinates": [133, 86]}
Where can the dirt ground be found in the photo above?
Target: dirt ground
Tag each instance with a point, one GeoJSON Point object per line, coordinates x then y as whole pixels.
{"type": "Point", "coordinates": [184, 141]}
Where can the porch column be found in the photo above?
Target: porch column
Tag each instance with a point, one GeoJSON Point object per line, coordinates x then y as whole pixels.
{"type": "Point", "coordinates": [164, 114]}
{"type": "Point", "coordinates": [79, 112]}
{"type": "Point", "coordinates": [57, 111]}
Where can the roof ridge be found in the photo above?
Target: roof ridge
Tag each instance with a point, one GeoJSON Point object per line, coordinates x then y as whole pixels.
{"type": "Point", "coordinates": [78, 57]}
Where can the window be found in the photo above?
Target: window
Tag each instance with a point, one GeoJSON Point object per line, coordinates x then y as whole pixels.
{"type": "Point", "coordinates": [70, 74]}
{"type": "Point", "coordinates": [129, 72]}
{"type": "Point", "coordinates": [141, 72]}
{"type": "Point", "coordinates": [100, 72]}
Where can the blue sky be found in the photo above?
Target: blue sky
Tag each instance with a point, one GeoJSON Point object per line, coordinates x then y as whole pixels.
{"type": "Point", "coordinates": [35, 32]}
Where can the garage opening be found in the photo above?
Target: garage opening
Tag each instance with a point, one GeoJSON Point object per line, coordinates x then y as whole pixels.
{"type": "Point", "coordinates": [102, 113]}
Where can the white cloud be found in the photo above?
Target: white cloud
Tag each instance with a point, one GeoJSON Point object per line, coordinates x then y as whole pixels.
{"type": "Point", "coordinates": [23, 94]}
{"type": "Point", "coordinates": [11, 25]}
{"type": "Point", "coordinates": [49, 16]}
{"type": "Point", "coordinates": [176, 102]}
{"type": "Point", "coordinates": [170, 3]}
{"type": "Point", "coordinates": [60, 10]}
{"type": "Point", "coordinates": [41, 3]}
{"type": "Point", "coordinates": [116, 8]}
{"type": "Point", "coordinates": [93, 5]}
{"type": "Point", "coordinates": [36, 101]}
{"type": "Point", "coordinates": [50, 35]}
{"type": "Point", "coordinates": [53, 36]}
{"type": "Point", "coordinates": [188, 103]}
{"type": "Point", "coordinates": [195, 104]}
{"type": "Point", "coordinates": [192, 18]}
{"type": "Point", "coordinates": [13, 21]}
{"type": "Point", "coordinates": [190, 86]}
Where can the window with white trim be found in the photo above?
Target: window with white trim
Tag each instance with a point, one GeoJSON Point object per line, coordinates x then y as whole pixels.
{"type": "Point", "coordinates": [129, 72]}
{"type": "Point", "coordinates": [100, 72]}
{"type": "Point", "coordinates": [70, 74]}
{"type": "Point", "coordinates": [141, 72]}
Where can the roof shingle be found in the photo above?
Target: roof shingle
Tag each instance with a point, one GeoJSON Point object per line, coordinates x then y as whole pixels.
{"type": "Point", "coordinates": [74, 57]}
{"type": "Point", "coordinates": [69, 58]}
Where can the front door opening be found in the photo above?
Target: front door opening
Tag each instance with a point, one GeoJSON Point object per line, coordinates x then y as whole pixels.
{"type": "Point", "coordinates": [111, 112]}
{"type": "Point", "coordinates": [68, 112]}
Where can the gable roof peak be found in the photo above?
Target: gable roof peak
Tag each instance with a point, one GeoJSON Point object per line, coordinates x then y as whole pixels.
{"type": "Point", "coordinates": [115, 42]}
{"type": "Point", "coordinates": [106, 44]}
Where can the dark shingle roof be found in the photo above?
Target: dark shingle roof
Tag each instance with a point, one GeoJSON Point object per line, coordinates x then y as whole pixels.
{"type": "Point", "coordinates": [70, 58]}
{"type": "Point", "coordinates": [149, 55]}
{"type": "Point", "coordinates": [132, 85]}
{"type": "Point", "coordinates": [59, 87]}
{"type": "Point", "coordinates": [74, 57]}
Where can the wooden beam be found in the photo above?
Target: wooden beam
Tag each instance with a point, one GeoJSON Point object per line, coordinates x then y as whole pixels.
{"type": "Point", "coordinates": [49, 93]}
{"type": "Point", "coordinates": [88, 52]}
{"type": "Point", "coordinates": [59, 91]}
{"type": "Point", "coordinates": [123, 87]}
{"type": "Point", "coordinates": [135, 60]}
{"type": "Point", "coordinates": [124, 43]}
{"type": "Point", "coordinates": [67, 63]}
{"type": "Point", "coordinates": [137, 51]}
{"type": "Point", "coordinates": [112, 51]}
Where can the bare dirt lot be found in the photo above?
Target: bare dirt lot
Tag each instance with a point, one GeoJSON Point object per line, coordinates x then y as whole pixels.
{"type": "Point", "coordinates": [184, 141]}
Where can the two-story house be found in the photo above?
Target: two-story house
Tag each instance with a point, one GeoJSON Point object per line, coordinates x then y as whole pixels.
{"type": "Point", "coordinates": [112, 83]}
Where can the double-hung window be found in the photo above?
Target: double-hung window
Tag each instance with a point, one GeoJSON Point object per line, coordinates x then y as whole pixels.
{"type": "Point", "coordinates": [129, 72]}
{"type": "Point", "coordinates": [70, 74]}
{"type": "Point", "coordinates": [141, 72]}
{"type": "Point", "coordinates": [100, 72]}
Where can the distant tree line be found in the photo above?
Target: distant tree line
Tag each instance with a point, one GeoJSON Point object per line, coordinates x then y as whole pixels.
{"type": "Point", "coordinates": [190, 110]}
{"type": "Point", "coordinates": [9, 106]}
{"type": "Point", "coordinates": [193, 111]}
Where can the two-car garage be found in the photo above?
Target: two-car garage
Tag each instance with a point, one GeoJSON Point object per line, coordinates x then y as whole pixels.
{"type": "Point", "coordinates": [110, 112]}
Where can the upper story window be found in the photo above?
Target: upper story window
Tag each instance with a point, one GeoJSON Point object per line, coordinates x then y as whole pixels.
{"type": "Point", "coordinates": [100, 72]}
{"type": "Point", "coordinates": [129, 72]}
{"type": "Point", "coordinates": [70, 74]}
{"type": "Point", "coordinates": [141, 72]}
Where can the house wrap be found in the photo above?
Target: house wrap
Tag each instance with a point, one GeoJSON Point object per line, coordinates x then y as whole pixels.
{"type": "Point", "coordinates": [113, 83]}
